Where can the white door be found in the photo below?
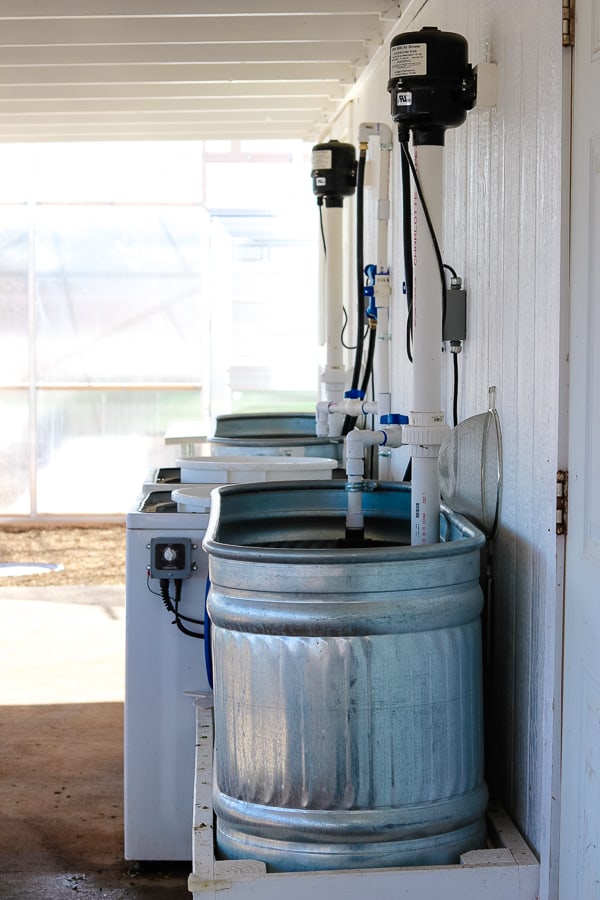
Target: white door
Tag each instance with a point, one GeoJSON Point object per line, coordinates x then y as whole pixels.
{"type": "Point", "coordinates": [580, 792]}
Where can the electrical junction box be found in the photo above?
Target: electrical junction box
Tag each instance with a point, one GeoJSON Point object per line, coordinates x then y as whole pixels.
{"type": "Point", "coordinates": [170, 557]}
{"type": "Point", "coordinates": [455, 321]}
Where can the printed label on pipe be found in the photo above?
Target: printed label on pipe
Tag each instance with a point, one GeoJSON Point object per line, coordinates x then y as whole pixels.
{"type": "Point", "coordinates": [420, 521]}
{"type": "Point", "coordinates": [404, 98]}
{"type": "Point", "coordinates": [408, 59]}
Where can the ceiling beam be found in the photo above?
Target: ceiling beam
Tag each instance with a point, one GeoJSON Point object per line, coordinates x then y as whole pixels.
{"type": "Point", "coordinates": [133, 131]}
{"type": "Point", "coordinates": [193, 106]}
{"type": "Point", "coordinates": [176, 73]}
{"type": "Point", "coordinates": [168, 54]}
{"type": "Point", "coordinates": [183, 69]}
{"type": "Point", "coordinates": [77, 9]}
{"type": "Point", "coordinates": [112, 117]}
{"type": "Point", "coordinates": [185, 30]}
{"type": "Point", "coordinates": [18, 94]}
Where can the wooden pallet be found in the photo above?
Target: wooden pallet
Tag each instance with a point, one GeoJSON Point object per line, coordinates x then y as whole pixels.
{"type": "Point", "coordinates": [508, 870]}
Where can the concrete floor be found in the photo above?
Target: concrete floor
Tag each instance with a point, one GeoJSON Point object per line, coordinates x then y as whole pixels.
{"type": "Point", "coordinates": [61, 761]}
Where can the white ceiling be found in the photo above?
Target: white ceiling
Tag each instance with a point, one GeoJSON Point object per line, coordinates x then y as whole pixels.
{"type": "Point", "coordinates": [182, 69]}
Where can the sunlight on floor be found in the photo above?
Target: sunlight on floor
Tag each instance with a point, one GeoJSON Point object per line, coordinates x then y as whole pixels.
{"type": "Point", "coordinates": [62, 645]}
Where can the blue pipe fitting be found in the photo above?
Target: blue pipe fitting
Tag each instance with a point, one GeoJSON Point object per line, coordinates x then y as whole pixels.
{"type": "Point", "coordinates": [393, 419]}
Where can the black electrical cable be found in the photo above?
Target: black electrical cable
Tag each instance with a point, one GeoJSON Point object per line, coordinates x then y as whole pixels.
{"type": "Point", "coordinates": [407, 168]}
{"type": "Point", "coordinates": [178, 616]}
{"type": "Point", "coordinates": [324, 242]}
{"type": "Point", "coordinates": [370, 357]}
{"type": "Point", "coordinates": [451, 270]}
{"type": "Point", "coordinates": [407, 234]}
{"type": "Point", "coordinates": [168, 603]}
{"type": "Point", "coordinates": [455, 390]}
{"type": "Point", "coordinates": [344, 326]}
{"type": "Point", "coordinates": [360, 266]}
{"type": "Point", "coordinates": [344, 344]}
{"type": "Point", "coordinates": [370, 454]}
{"type": "Point", "coordinates": [360, 297]}
{"type": "Point", "coordinates": [320, 205]}
{"type": "Point", "coordinates": [434, 240]}
{"type": "Point", "coordinates": [173, 607]}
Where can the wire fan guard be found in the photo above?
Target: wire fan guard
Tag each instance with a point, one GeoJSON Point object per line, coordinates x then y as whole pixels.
{"type": "Point", "coordinates": [470, 470]}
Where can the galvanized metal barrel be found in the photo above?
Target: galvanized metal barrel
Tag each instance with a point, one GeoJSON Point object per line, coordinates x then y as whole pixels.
{"type": "Point", "coordinates": [265, 424]}
{"type": "Point", "coordinates": [347, 681]}
{"type": "Point", "coordinates": [272, 434]}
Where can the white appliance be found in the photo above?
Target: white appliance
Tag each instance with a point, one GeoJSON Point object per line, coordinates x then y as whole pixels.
{"type": "Point", "coordinates": [163, 478]}
{"type": "Point", "coordinates": [164, 667]}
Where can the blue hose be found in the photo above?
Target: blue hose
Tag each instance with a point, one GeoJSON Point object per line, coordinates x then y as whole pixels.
{"type": "Point", "coordinates": [207, 641]}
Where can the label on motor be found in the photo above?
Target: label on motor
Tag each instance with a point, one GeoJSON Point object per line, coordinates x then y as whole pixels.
{"type": "Point", "coordinates": [322, 159]}
{"type": "Point", "coordinates": [404, 98]}
{"type": "Point", "coordinates": [408, 59]}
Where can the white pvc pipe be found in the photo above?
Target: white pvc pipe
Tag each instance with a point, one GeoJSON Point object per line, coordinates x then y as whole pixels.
{"type": "Point", "coordinates": [383, 347]}
{"type": "Point", "coordinates": [356, 441]}
{"type": "Point", "coordinates": [333, 230]}
{"type": "Point", "coordinates": [346, 407]}
{"type": "Point", "coordinates": [383, 206]}
{"type": "Point", "coordinates": [425, 501]}
{"type": "Point", "coordinates": [382, 377]}
{"type": "Point", "coordinates": [427, 344]}
{"type": "Point", "coordinates": [427, 293]}
{"type": "Point", "coordinates": [382, 367]}
{"type": "Point", "coordinates": [333, 376]}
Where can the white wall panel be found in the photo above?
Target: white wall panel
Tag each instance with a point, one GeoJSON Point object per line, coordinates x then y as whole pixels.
{"type": "Point", "coordinates": [503, 234]}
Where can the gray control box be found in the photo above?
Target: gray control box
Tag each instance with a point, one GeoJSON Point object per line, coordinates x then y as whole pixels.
{"type": "Point", "coordinates": [170, 557]}
{"type": "Point", "coordinates": [455, 323]}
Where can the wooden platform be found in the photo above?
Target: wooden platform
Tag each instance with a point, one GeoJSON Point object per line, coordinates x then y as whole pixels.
{"type": "Point", "coordinates": [508, 870]}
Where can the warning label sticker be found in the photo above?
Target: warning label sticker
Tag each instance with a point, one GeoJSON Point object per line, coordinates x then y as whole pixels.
{"type": "Point", "coordinates": [321, 159]}
{"type": "Point", "coordinates": [408, 59]}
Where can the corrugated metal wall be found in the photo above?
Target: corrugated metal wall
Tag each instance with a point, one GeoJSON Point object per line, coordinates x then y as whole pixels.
{"type": "Point", "coordinates": [505, 236]}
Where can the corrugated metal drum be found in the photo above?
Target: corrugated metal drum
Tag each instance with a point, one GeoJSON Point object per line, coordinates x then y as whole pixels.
{"type": "Point", "coordinates": [272, 434]}
{"type": "Point", "coordinates": [265, 424]}
{"type": "Point", "coordinates": [348, 682]}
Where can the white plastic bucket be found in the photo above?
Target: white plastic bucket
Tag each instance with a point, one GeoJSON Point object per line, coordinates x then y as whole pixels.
{"type": "Point", "coordinates": [250, 469]}
{"type": "Point", "coordinates": [195, 498]}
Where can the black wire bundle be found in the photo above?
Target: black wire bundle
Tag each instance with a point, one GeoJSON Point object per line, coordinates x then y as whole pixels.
{"type": "Point", "coordinates": [407, 232]}
{"type": "Point", "coordinates": [172, 606]}
{"type": "Point", "coordinates": [350, 421]}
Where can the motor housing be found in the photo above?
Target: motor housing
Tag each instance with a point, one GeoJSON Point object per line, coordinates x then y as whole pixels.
{"type": "Point", "coordinates": [333, 172]}
{"type": "Point", "coordinates": [431, 83]}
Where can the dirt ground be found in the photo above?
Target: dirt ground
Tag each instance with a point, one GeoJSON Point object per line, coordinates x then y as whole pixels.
{"type": "Point", "coordinates": [61, 795]}
{"type": "Point", "coordinates": [91, 554]}
{"type": "Point", "coordinates": [61, 766]}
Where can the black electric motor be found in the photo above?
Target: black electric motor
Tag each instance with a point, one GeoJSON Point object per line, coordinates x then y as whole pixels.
{"type": "Point", "coordinates": [431, 83]}
{"type": "Point", "coordinates": [333, 172]}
